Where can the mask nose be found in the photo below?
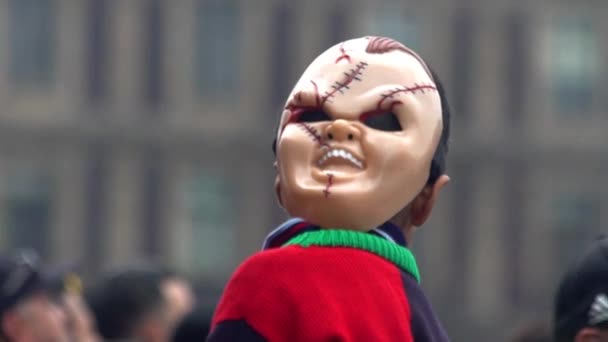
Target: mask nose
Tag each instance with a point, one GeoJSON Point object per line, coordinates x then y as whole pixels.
{"type": "Point", "coordinates": [341, 130]}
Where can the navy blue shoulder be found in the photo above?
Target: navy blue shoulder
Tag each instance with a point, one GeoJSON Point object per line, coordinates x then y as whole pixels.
{"type": "Point", "coordinates": [234, 331]}
{"type": "Point", "coordinates": [424, 323]}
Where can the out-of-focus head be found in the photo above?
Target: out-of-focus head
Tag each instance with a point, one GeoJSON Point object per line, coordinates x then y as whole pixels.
{"type": "Point", "coordinates": [363, 132]}
{"type": "Point", "coordinates": [581, 303]}
{"type": "Point", "coordinates": [66, 289]}
{"type": "Point", "coordinates": [179, 297]}
{"type": "Point", "coordinates": [27, 312]}
{"type": "Point", "coordinates": [194, 326]}
{"type": "Point", "coordinates": [143, 303]}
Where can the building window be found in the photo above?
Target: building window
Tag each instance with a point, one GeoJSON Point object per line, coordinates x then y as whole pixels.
{"type": "Point", "coordinates": [97, 48]}
{"type": "Point", "coordinates": [460, 235]}
{"type": "Point", "coordinates": [338, 24]}
{"type": "Point", "coordinates": [463, 46]}
{"type": "Point", "coordinates": [96, 205]}
{"type": "Point", "coordinates": [514, 234]}
{"type": "Point", "coordinates": [282, 31]}
{"type": "Point", "coordinates": [575, 220]}
{"type": "Point", "coordinates": [216, 59]}
{"type": "Point", "coordinates": [516, 71]}
{"type": "Point", "coordinates": [31, 41]}
{"type": "Point", "coordinates": [27, 212]}
{"type": "Point", "coordinates": [153, 90]}
{"type": "Point", "coordinates": [210, 209]}
{"type": "Point", "coordinates": [152, 202]}
{"type": "Point", "coordinates": [393, 22]}
{"type": "Point", "coordinates": [574, 63]}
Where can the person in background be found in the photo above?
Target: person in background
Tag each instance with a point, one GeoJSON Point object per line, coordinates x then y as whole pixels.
{"type": "Point", "coordinates": [140, 303]}
{"type": "Point", "coordinates": [66, 288]}
{"type": "Point", "coordinates": [581, 302]}
{"type": "Point", "coordinates": [179, 296]}
{"type": "Point", "coordinates": [194, 325]}
{"type": "Point", "coordinates": [27, 312]}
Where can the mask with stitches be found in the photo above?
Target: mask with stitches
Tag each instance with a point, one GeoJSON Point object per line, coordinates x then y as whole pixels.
{"type": "Point", "coordinates": [357, 135]}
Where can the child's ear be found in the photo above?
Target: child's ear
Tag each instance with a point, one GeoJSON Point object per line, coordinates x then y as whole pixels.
{"type": "Point", "coordinates": [424, 202]}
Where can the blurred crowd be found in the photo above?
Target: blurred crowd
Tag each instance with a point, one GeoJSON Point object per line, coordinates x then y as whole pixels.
{"type": "Point", "coordinates": [52, 303]}
{"type": "Point", "coordinates": [146, 302]}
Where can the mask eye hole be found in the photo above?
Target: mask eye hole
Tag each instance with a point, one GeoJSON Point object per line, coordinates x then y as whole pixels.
{"type": "Point", "coordinates": [384, 121]}
{"type": "Point", "coordinates": [313, 115]}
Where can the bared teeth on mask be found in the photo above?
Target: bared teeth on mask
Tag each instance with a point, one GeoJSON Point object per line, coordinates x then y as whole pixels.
{"type": "Point", "coordinates": [342, 154]}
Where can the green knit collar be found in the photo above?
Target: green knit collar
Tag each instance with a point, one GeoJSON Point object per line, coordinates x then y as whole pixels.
{"type": "Point", "coordinates": [398, 255]}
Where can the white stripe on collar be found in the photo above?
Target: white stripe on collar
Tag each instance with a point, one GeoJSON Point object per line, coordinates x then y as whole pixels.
{"type": "Point", "coordinates": [598, 312]}
{"type": "Point", "coordinates": [384, 234]}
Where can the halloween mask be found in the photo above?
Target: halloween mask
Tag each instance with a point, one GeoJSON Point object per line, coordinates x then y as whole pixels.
{"type": "Point", "coordinates": [358, 134]}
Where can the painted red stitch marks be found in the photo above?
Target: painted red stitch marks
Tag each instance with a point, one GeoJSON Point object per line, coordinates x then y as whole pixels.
{"type": "Point", "coordinates": [304, 98]}
{"type": "Point", "coordinates": [317, 96]}
{"type": "Point", "coordinates": [343, 55]}
{"type": "Point", "coordinates": [379, 45]}
{"type": "Point", "coordinates": [313, 133]}
{"type": "Point", "coordinates": [416, 88]}
{"type": "Point", "coordinates": [383, 44]}
{"type": "Point", "coordinates": [354, 74]}
{"type": "Point", "coordinates": [330, 182]}
{"type": "Point", "coordinates": [299, 102]}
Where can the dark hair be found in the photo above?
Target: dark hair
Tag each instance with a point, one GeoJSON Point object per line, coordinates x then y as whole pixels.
{"type": "Point", "coordinates": [122, 299]}
{"type": "Point", "coordinates": [438, 164]}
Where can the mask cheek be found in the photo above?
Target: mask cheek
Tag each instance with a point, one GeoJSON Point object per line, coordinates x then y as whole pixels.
{"type": "Point", "coordinates": [401, 171]}
{"type": "Point", "coordinates": [387, 151]}
{"type": "Point", "coordinates": [294, 155]}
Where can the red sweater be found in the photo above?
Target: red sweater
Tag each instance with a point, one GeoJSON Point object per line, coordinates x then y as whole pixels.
{"type": "Point", "coordinates": [323, 293]}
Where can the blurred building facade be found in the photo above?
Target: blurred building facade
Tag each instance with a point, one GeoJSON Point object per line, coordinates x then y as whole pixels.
{"type": "Point", "coordinates": [142, 128]}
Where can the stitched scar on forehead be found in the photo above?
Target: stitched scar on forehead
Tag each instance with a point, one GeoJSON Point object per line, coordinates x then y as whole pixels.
{"type": "Point", "coordinates": [380, 45]}
{"type": "Point", "coordinates": [415, 89]}
{"type": "Point", "coordinates": [354, 74]}
{"type": "Point", "coordinates": [298, 101]}
{"type": "Point", "coordinates": [305, 98]}
{"type": "Point", "coordinates": [343, 54]}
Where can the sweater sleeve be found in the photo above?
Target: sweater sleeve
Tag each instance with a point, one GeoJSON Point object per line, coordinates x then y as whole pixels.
{"type": "Point", "coordinates": [301, 294]}
{"type": "Point", "coordinates": [256, 304]}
